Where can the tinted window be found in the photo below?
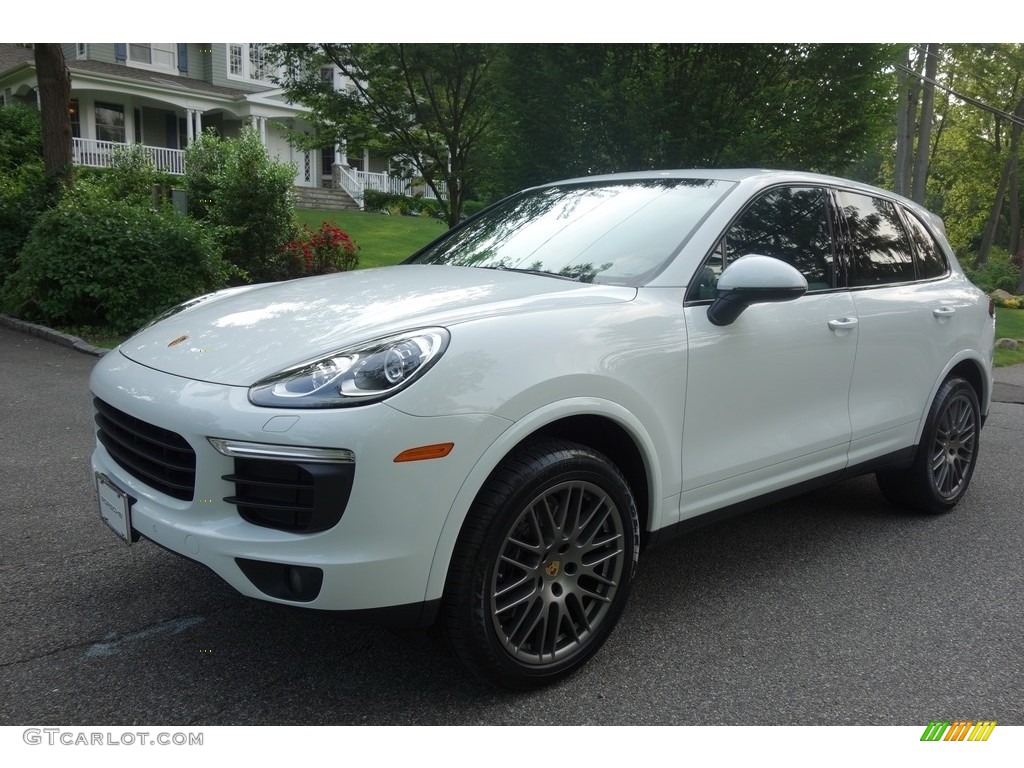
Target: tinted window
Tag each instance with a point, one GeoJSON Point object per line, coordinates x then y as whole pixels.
{"type": "Point", "coordinates": [931, 262]}
{"type": "Point", "coordinates": [789, 224]}
{"type": "Point", "coordinates": [879, 247]}
{"type": "Point", "coordinates": [620, 233]}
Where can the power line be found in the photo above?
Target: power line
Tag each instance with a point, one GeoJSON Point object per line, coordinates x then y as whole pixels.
{"type": "Point", "coordinates": [964, 97]}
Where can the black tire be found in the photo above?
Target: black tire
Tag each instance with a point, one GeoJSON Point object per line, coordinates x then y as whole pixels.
{"type": "Point", "coordinates": [543, 565]}
{"type": "Point", "coordinates": [945, 457]}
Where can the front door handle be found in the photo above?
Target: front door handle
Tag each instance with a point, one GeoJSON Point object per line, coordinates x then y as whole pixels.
{"type": "Point", "coordinates": [944, 313]}
{"type": "Point", "coordinates": [842, 325]}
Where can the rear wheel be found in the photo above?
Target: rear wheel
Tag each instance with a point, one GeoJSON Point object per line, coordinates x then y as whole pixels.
{"type": "Point", "coordinates": [946, 455]}
{"type": "Point", "coordinates": [543, 566]}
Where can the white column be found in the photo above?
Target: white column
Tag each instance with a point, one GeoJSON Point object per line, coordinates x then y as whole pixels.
{"type": "Point", "coordinates": [199, 123]}
{"type": "Point", "coordinates": [341, 153]}
{"type": "Point", "coordinates": [190, 135]}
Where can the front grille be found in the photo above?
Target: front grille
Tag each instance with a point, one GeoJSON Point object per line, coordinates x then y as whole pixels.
{"type": "Point", "coordinates": [298, 496]}
{"type": "Point", "coordinates": [158, 457]}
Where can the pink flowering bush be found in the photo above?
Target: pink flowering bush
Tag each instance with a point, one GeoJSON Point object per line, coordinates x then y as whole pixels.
{"type": "Point", "coordinates": [326, 250]}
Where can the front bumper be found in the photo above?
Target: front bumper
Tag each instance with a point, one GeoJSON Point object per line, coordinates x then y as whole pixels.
{"type": "Point", "coordinates": [379, 553]}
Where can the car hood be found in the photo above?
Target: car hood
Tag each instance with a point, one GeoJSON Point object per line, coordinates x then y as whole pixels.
{"type": "Point", "coordinates": [243, 335]}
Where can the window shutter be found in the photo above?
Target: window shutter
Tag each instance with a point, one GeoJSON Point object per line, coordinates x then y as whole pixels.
{"type": "Point", "coordinates": [183, 58]}
{"type": "Point", "coordinates": [121, 51]}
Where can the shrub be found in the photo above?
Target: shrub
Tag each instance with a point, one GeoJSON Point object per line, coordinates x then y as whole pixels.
{"type": "Point", "coordinates": [95, 261]}
{"type": "Point", "coordinates": [22, 184]}
{"type": "Point", "coordinates": [132, 176]}
{"type": "Point", "coordinates": [233, 184]}
{"type": "Point", "coordinates": [400, 205]}
{"type": "Point", "coordinates": [21, 136]}
{"type": "Point", "coordinates": [22, 198]}
{"type": "Point", "coordinates": [471, 207]}
{"type": "Point", "coordinates": [999, 272]}
{"type": "Point", "coordinates": [326, 250]}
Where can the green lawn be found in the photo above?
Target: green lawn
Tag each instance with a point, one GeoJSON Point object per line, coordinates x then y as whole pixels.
{"type": "Point", "coordinates": [382, 239]}
{"type": "Point", "coordinates": [1009, 325]}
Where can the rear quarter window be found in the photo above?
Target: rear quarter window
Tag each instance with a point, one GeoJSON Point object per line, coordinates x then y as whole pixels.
{"type": "Point", "coordinates": [928, 255]}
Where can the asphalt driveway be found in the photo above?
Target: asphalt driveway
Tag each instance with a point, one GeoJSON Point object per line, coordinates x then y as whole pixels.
{"type": "Point", "coordinates": [830, 609]}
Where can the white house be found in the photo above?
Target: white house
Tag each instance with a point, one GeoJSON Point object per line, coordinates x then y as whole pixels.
{"type": "Point", "coordinates": [162, 95]}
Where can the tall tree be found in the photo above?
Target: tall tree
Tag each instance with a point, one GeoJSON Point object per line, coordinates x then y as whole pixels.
{"type": "Point", "coordinates": [924, 132]}
{"type": "Point", "coordinates": [54, 102]}
{"type": "Point", "coordinates": [427, 105]}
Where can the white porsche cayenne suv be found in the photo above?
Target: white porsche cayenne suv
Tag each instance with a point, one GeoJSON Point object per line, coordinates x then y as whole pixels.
{"type": "Point", "coordinates": [484, 438]}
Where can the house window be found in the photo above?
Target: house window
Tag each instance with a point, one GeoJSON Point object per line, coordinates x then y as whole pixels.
{"type": "Point", "coordinates": [250, 61]}
{"type": "Point", "coordinates": [81, 50]}
{"type": "Point", "coordinates": [138, 126]}
{"type": "Point", "coordinates": [327, 75]}
{"type": "Point", "coordinates": [75, 116]}
{"type": "Point", "coordinates": [259, 67]}
{"type": "Point", "coordinates": [110, 122]}
{"type": "Point", "coordinates": [153, 55]}
{"type": "Point", "coordinates": [235, 59]}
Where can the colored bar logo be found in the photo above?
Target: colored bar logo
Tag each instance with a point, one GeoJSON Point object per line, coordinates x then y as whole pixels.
{"type": "Point", "coordinates": [958, 730]}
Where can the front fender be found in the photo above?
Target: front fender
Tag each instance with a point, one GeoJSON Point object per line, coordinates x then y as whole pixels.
{"type": "Point", "coordinates": [517, 433]}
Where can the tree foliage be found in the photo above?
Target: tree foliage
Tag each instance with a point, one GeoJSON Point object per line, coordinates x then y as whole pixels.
{"type": "Point", "coordinates": [425, 105]}
{"type": "Point", "coordinates": [580, 109]}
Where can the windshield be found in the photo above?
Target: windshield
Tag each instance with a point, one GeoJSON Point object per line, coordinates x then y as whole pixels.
{"type": "Point", "coordinates": [613, 232]}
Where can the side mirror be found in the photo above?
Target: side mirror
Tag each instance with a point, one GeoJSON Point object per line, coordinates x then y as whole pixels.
{"type": "Point", "coordinates": [754, 279]}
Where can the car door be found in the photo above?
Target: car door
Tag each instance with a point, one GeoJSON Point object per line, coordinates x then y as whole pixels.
{"type": "Point", "coordinates": [766, 396]}
{"type": "Point", "coordinates": [907, 321]}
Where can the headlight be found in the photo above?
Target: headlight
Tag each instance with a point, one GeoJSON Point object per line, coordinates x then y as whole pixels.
{"type": "Point", "coordinates": [356, 375]}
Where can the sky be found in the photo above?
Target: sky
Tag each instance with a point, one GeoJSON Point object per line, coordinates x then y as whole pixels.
{"type": "Point", "coordinates": [520, 21]}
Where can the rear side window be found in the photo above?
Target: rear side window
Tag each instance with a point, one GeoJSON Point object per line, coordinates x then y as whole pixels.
{"type": "Point", "coordinates": [931, 262]}
{"type": "Point", "coordinates": [880, 251]}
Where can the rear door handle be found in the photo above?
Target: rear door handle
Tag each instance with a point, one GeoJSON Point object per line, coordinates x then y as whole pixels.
{"type": "Point", "coordinates": [842, 325]}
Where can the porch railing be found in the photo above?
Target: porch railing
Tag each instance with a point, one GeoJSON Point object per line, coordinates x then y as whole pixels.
{"type": "Point", "coordinates": [100, 154]}
{"type": "Point", "coordinates": [384, 182]}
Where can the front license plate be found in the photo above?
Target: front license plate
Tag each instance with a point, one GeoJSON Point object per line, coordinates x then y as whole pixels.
{"type": "Point", "coordinates": [115, 507]}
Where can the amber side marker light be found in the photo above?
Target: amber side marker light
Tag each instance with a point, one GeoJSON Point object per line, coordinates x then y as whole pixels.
{"type": "Point", "coordinates": [424, 452]}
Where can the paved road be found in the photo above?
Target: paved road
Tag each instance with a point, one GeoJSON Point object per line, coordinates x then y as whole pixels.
{"type": "Point", "coordinates": [833, 609]}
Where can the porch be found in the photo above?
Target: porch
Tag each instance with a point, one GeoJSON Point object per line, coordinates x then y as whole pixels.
{"type": "Point", "coordinates": [95, 153]}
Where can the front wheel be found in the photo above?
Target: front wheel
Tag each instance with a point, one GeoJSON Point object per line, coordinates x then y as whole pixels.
{"type": "Point", "coordinates": [543, 566]}
{"type": "Point", "coordinates": [946, 455]}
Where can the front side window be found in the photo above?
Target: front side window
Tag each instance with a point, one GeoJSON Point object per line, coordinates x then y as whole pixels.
{"type": "Point", "coordinates": [790, 224]}
{"type": "Point", "coordinates": [110, 122]}
{"type": "Point", "coordinates": [618, 233]}
{"type": "Point", "coordinates": [880, 252]}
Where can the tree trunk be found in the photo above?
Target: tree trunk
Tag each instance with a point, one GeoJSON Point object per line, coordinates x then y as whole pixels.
{"type": "Point", "coordinates": [54, 103]}
{"type": "Point", "coordinates": [904, 128]}
{"type": "Point", "coordinates": [1009, 168]}
{"type": "Point", "coordinates": [924, 133]}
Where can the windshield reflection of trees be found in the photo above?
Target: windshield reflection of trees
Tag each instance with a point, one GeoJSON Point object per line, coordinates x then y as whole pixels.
{"type": "Point", "coordinates": [512, 235]}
